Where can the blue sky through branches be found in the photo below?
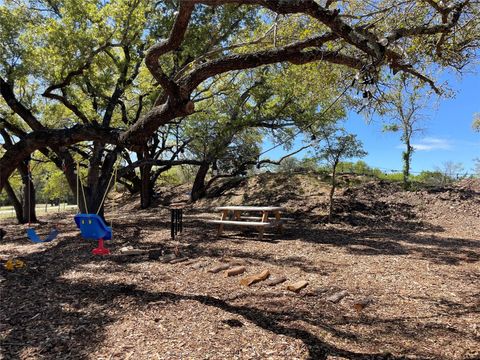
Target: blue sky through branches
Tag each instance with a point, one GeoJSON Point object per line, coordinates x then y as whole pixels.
{"type": "Point", "coordinates": [448, 134]}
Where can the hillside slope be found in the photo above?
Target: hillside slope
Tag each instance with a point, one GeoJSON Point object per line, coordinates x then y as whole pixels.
{"type": "Point", "coordinates": [358, 201]}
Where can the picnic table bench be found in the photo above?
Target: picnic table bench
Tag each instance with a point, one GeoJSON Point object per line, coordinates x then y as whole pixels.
{"type": "Point", "coordinates": [232, 215]}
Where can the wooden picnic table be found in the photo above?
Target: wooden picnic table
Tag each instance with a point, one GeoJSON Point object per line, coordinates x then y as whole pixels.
{"type": "Point", "coordinates": [262, 221]}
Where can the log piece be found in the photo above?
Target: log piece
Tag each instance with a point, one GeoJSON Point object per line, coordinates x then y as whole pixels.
{"type": "Point", "coordinates": [319, 291]}
{"type": "Point", "coordinates": [296, 287]}
{"type": "Point", "coordinates": [235, 271]}
{"type": "Point", "coordinates": [276, 281]}
{"type": "Point", "coordinates": [167, 258]}
{"type": "Point", "coordinates": [179, 260]}
{"type": "Point", "coordinates": [337, 296]}
{"type": "Point", "coordinates": [219, 268]}
{"type": "Point", "coordinates": [252, 279]}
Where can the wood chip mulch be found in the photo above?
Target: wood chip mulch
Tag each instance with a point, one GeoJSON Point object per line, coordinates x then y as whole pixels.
{"type": "Point", "coordinates": [408, 284]}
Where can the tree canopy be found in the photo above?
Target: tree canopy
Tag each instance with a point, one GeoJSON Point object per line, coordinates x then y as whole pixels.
{"type": "Point", "coordinates": [92, 80]}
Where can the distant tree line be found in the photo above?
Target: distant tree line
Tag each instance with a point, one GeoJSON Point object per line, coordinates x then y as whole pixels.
{"type": "Point", "coordinates": [447, 173]}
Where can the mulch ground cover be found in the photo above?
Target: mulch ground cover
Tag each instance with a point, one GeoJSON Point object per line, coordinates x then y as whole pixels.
{"type": "Point", "coordinates": [407, 266]}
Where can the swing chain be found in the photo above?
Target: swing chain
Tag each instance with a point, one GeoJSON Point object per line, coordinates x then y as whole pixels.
{"type": "Point", "coordinates": [80, 184]}
{"type": "Point", "coordinates": [114, 175]}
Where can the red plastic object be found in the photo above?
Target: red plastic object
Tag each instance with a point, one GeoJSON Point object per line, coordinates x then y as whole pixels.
{"type": "Point", "coordinates": [100, 250]}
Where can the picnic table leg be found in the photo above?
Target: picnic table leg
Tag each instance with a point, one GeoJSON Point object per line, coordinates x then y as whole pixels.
{"type": "Point", "coordinates": [264, 219]}
{"type": "Point", "coordinates": [223, 217]}
{"type": "Point", "coordinates": [279, 223]}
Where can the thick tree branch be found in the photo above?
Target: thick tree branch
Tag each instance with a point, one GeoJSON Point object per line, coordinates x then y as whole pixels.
{"type": "Point", "coordinates": [6, 90]}
{"type": "Point", "coordinates": [446, 26]}
{"type": "Point", "coordinates": [160, 115]}
{"type": "Point", "coordinates": [291, 53]}
{"type": "Point", "coordinates": [157, 162]}
{"type": "Point", "coordinates": [174, 40]}
{"type": "Point", "coordinates": [358, 37]}
{"type": "Point", "coordinates": [14, 129]}
{"type": "Point", "coordinates": [51, 138]}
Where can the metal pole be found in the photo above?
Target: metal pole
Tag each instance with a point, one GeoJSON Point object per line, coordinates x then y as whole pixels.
{"type": "Point", "coordinates": [181, 220]}
{"type": "Point", "coordinates": [171, 223]}
{"type": "Point", "coordinates": [177, 223]}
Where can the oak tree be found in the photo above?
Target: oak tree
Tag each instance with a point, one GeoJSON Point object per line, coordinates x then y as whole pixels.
{"type": "Point", "coordinates": [99, 50]}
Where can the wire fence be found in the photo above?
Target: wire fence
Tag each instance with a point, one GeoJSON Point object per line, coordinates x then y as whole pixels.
{"type": "Point", "coordinates": [8, 212]}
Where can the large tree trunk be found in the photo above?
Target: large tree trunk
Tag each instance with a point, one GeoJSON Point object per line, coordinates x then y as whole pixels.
{"type": "Point", "coordinates": [135, 184]}
{"type": "Point", "coordinates": [100, 182]}
{"type": "Point", "coordinates": [146, 185]}
{"type": "Point", "coordinates": [146, 190]}
{"type": "Point", "coordinates": [17, 205]}
{"type": "Point", "coordinates": [29, 202]}
{"type": "Point", "coordinates": [199, 188]}
{"type": "Point", "coordinates": [94, 201]}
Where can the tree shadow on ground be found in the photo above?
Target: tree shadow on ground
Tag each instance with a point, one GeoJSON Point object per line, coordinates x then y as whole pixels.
{"type": "Point", "coordinates": [55, 316]}
{"type": "Point", "coordinates": [68, 319]}
{"type": "Point", "coordinates": [391, 238]}
{"type": "Point", "coordinates": [437, 249]}
{"type": "Point", "coordinates": [43, 310]}
{"type": "Point", "coordinates": [35, 300]}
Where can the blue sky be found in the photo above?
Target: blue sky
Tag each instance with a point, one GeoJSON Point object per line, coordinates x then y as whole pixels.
{"type": "Point", "coordinates": [448, 134]}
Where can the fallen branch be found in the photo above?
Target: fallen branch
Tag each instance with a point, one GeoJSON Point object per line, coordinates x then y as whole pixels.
{"type": "Point", "coordinates": [316, 292]}
{"type": "Point", "coordinates": [191, 262]}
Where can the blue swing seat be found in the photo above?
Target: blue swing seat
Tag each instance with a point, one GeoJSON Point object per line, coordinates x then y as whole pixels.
{"type": "Point", "coordinates": [32, 235]}
{"type": "Point", "coordinates": [93, 227]}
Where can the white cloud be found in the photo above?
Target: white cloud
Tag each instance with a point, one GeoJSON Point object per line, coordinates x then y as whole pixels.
{"type": "Point", "coordinates": [431, 143]}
